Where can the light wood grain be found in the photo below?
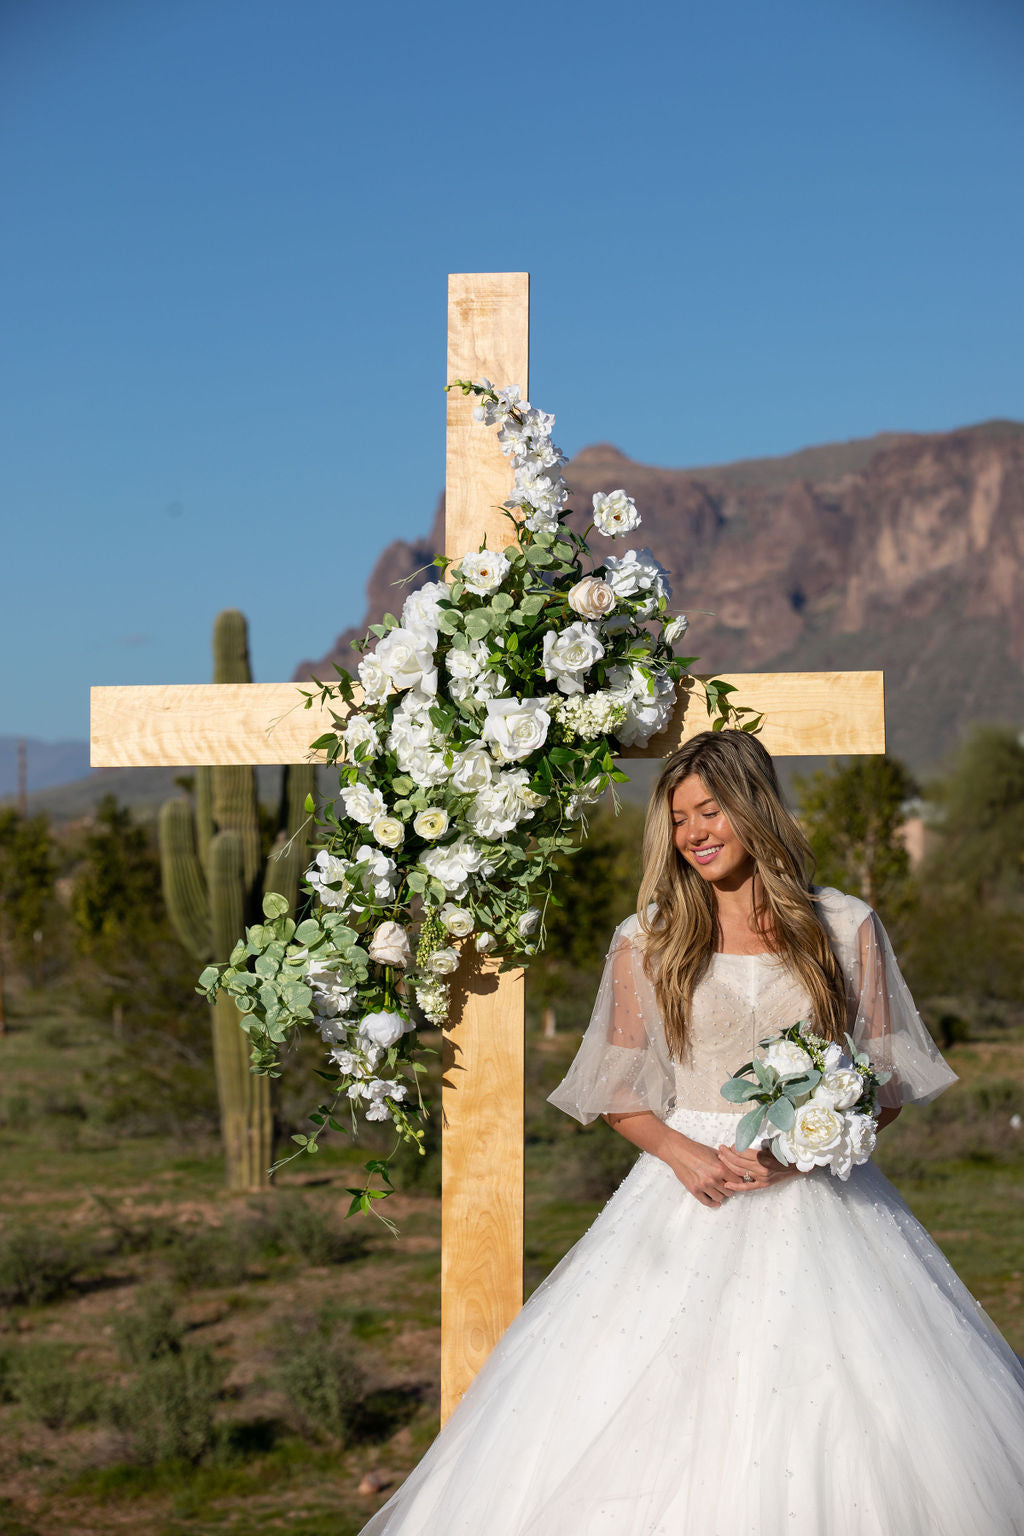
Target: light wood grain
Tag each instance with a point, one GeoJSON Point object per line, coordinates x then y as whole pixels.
{"type": "Point", "coordinates": [192, 724]}
{"type": "Point", "coordinates": [482, 1096]}
{"type": "Point", "coordinates": [488, 337]}
{"type": "Point", "coordinates": [482, 1194]}
{"type": "Point", "coordinates": [807, 714]}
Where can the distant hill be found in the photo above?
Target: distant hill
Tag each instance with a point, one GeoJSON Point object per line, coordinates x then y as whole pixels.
{"type": "Point", "coordinates": [47, 763]}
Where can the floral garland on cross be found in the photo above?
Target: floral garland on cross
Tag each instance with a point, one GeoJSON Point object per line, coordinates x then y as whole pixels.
{"type": "Point", "coordinates": [489, 715]}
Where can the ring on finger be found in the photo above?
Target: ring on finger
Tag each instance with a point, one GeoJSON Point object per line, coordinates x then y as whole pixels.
{"type": "Point", "coordinates": [748, 1178]}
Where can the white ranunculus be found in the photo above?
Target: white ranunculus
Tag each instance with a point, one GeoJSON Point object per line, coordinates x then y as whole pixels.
{"type": "Point", "coordinates": [636, 573]}
{"type": "Point", "coordinates": [382, 1028]}
{"type": "Point", "coordinates": [841, 1088]}
{"type": "Point", "coordinates": [408, 660]}
{"type": "Point", "coordinates": [591, 598]}
{"type": "Point", "coordinates": [515, 728]}
{"type": "Point", "coordinates": [527, 921]}
{"type": "Point", "coordinates": [444, 961]}
{"type": "Point", "coordinates": [431, 823]}
{"type": "Point", "coordinates": [388, 831]}
{"type": "Point", "coordinates": [815, 1134]}
{"type": "Point", "coordinates": [569, 654]}
{"type": "Point", "coordinates": [485, 942]}
{"type": "Point", "coordinates": [675, 629]}
{"type": "Point", "coordinates": [327, 870]}
{"type": "Point", "coordinates": [484, 572]}
{"type": "Point", "coordinates": [374, 679]}
{"type": "Point", "coordinates": [457, 920]}
{"type": "Point", "coordinates": [472, 769]}
{"type": "Point", "coordinates": [787, 1057]}
{"type": "Point", "coordinates": [390, 945]}
{"type": "Point", "coordinates": [615, 513]}
{"type": "Point", "coordinates": [362, 803]}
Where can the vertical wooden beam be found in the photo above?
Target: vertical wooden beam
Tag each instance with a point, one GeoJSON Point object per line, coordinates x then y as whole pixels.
{"type": "Point", "coordinates": [482, 1097]}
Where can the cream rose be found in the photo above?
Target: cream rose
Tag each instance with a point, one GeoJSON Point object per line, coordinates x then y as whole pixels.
{"type": "Point", "coordinates": [388, 831]}
{"type": "Point", "coordinates": [591, 598]}
{"type": "Point", "coordinates": [444, 961]}
{"type": "Point", "coordinates": [527, 921]}
{"type": "Point", "coordinates": [457, 920]}
{"type": "Point", "coordinates": [840, 1089]}
{"type": "Point", "coordinates": [390, 945]}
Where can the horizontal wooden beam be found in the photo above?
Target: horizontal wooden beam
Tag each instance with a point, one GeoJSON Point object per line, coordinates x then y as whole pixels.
{"type": "Point", "coordinates": [192, 724]}
{"type": "Point", "coordinates": [808, 714]}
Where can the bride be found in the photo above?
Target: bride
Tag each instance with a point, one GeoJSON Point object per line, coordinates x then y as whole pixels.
{"type": "Point", "coordinates": [735, 1348]}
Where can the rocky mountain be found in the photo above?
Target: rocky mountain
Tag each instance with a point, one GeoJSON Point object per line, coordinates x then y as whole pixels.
{"type": "Point", "coordinates": [903, 552]}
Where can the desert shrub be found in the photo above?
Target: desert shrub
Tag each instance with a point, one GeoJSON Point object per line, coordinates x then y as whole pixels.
{"type": "Point", "coordinates": [167, 1413]}
{"type": "Point", "coordinates": [148, 1330]}
{"type": "Point", "coordinates": [970, 1123]}
{"type": "Point", "coordinates": [47, 1388]}
{"type": "Point", "coordinates": [289, 1225]}
{"type": "Point", "coordinates": [317, 1373]}
{"type": "Point", "coordinates": [36, 1266]}
{"type": "Point", "coordinates": [202, 1258]}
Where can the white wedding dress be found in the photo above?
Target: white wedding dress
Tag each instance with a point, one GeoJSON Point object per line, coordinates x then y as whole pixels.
{"type": "Point", "coordinates": [802, 1359]}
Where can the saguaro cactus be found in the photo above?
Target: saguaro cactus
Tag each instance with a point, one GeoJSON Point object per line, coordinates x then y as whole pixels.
{"type": "Point", "coordinates": [214, 877]}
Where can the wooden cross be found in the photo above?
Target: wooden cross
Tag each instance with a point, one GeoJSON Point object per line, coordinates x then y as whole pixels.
{"type": "Point", "coordinates": [482, 1099]}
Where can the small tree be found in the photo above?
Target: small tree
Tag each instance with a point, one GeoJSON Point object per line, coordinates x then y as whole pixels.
{"type": "Point", "coordinates": [852, 815]}
{"type": "Point", "coordinates": [28, 874]}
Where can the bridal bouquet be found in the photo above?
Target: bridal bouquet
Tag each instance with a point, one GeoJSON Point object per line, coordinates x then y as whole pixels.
{"type": "Point", "coordinates": [819, 1101]}
{"type": "Point", "coordinates": [471, 739]}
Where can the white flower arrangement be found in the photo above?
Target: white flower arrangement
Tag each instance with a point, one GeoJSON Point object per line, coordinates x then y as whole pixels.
{"type": "Point", "coordinates": [813, 1103]}
{"type": "Point", "coordinates": [491, 709]}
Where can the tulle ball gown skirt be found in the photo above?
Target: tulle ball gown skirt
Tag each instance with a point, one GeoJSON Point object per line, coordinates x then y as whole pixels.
{"type": "Point", "coordinates": [803, 1359]}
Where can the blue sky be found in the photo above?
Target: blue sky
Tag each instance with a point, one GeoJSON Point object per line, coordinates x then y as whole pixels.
{"type": "Point", "coordinates": [229, 223]}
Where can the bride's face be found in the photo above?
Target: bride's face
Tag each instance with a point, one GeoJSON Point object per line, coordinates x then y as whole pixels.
{"type": "Point", "coordinates": [703, 836]}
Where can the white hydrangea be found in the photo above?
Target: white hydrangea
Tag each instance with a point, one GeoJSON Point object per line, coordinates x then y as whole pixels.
{"type": "Point", "coordinates": [649, 703]}
{"type": "Point", "coordinates": [453, 864]}
{"type": "Point", "coordinates": [590, 715]}
{"type": "Point", "coordinates": [498, 809]}
{"type": "Point", "coordinates": [375, 872]}
{"type": "Point", "coordinates": [326, 871]}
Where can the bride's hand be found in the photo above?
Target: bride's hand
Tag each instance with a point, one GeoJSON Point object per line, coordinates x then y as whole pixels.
{"type": "Point", "coordinates": [700, 1169]}
{"type": "Point", "coordinates": [763, 1168]}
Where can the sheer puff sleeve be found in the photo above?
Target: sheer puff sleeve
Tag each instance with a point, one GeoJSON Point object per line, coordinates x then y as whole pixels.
{"type": "Point", "coordinates": [622, 1066]}
{"type": "Point", "coordinates": [884, 1022]}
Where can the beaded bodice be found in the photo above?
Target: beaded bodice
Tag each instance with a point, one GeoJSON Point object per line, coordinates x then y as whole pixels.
{"type": "Point", "coordinates": [740, 1000]}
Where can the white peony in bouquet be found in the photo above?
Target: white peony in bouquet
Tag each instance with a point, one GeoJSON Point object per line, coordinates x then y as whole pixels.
{"type": "Point", "coordinates": [815, 1104]}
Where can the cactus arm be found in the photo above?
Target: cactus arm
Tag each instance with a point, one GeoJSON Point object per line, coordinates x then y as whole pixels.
{"type": "Point", "coordinates": [185, 893]}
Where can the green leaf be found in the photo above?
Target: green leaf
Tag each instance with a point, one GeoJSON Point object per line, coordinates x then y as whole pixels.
{"type": "Point", "coordinates": [478, 623]}
{"type": "Point", "coordinates": [782, 1113]}
{"type": "Point", "coordinates": [275, 905]}
{"type": "Point", "coordinates": [308, 932]}
{"type": "Point", "coordinates": [737, 1092]}
{"type": "Point", "coordinates": [749, 1126]}
{"type": "Point", "coordinates": [210, 977]}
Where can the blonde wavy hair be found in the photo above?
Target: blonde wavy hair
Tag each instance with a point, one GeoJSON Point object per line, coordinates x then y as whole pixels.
{"type": "Point", "coordinates": [683, 933]}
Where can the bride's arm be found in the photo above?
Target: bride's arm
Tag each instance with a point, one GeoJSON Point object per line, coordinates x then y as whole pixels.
{"type": "Point", "coordinates": [696, 1166]}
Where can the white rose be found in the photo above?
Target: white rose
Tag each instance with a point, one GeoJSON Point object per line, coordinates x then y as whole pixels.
{"type": "Point", "coordinates": [591, 598]}
{"type": "Point", "coordinates": [816, 1132]}
{"type": "Point", "coordinates": [457, 920]}
{"type": "Point", "coordinates": [570, 653]}
{"type": "Point", "coordinates": [374, 679]}
{"type": "Point", "coordinates": [515, 727]}
{"type": "Point", "coordinates": [420, 612]}
{"type": "Point", "coordinates": [444, 961]}
{"type": "Point", "coordinates": [390, 945]}
{"type": "Point", "coordinates": [527, 921]}
{"type": "Point", "coordinates": [466, 663]}
{"type": "Point", "coordinates": [485, 571]}
{"type": "Point", "coordinates": [383, 1029]}
{"type": "Point", "coordinates": [787, 1058]}
{"type": "Point", "coordinates": [431, 823]}
{"type": "Point", "coordinates": [408, 660]}
{"type": "Point", "coordinates": [840, 1089]}
{"type": "Point", "coordinates": [388, 831]}
{"type": "Point", "coordinates": [473, 770]}
{"type": "Point", "coordinates": [615, 513]}
{"type": "Point", "coordinates": [485, 942]}
{"type": "Point", "coordinates": [675, 629]}
{"type": "Point", "coordinates": [362, 804]}
{"type": "Point", "coordinates": [832, 1057]}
